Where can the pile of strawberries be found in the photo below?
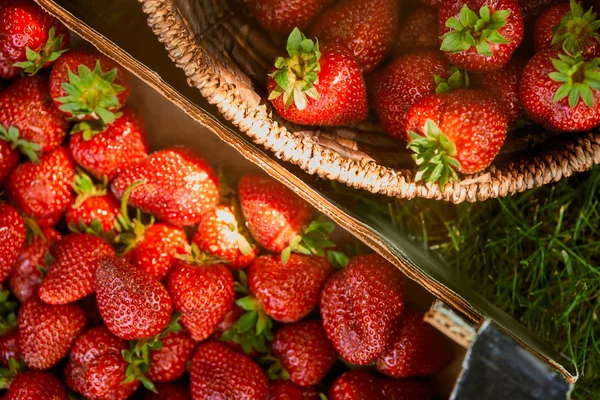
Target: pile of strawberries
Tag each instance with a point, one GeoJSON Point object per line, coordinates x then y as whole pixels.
{"type": "Point", "coordinates": [129, 272]}
{"type": "Point", "coordinates": [452, 78]}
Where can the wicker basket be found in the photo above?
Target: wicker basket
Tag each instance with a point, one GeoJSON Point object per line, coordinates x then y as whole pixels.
{"type": "Point", "coordinates": [226, 56]}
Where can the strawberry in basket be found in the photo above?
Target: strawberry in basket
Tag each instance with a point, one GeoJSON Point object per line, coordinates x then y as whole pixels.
{"type": "Point", "coordinates": [284, 16]}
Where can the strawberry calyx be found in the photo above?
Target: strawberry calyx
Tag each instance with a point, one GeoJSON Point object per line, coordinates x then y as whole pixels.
{"type": "Point", "coordinates": [91, 93]}
{"type": "Point", "coordinates": [314, 240]}
{"type": "Point", "coordinates": [457, 80]}
{"type": "Point", "coordinates": [8, 315]}
{"type": "Point", "coordinates": [577, 30]}
{"type": "Point", "coordinates": [29, 149]}
{"type": "Point", "coordinates": [434, 155]}
{"type": "Point", "coordinates": [297, 75]}
{"type": "Point", "coordinates": [49, 53]}
{"type": "Point", "coordinates": [48, 260]}
{"type": "Point", "coordinates": [32, 230]}
{"type": "Point", "coordinates": [274, 369]}
{"type": "Point", "coordinates": [89, 129]}
{"type": "Point", "coordinates": [194, 256]}
{"type": "Point", "coordinates": [7, 375]}
{"type": "Point", "coordinates": [579, 79]}
{"type": "Point", "coordinates": [244, 240]}
{"type": "Point", "coordinates": [130, 231]}
{"type": "Point", "coordinates": [472, 30]}
{"type": "Point", "coordinates": [85, 188]}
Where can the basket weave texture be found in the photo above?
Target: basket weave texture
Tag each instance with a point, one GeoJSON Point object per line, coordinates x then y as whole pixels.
{"type": "Point", "coordinates": [226, 56]}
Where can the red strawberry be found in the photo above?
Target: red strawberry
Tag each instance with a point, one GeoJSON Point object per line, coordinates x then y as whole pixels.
{"type": "Point", "coordinates": [286, 390]}
{"type": "Point", "coordinates": [32, 262]}
{"type": "Point", "coordinates": [9, 156]}
{"type": "Point", "coordinates": [467, 128]}
{"type": "Point", "coordinates": [274, 214]}
{"type": "Point", "coordinates": [367, 28]}
{"type": "Point", "coordinates": [88, 86]}
{"type": "Point", "coordinates": [360, 305]}
{"type": "Point", "coordinates": [536, 7]}
{"type": "Point", "coordinates": [25, 25]}
{"type": "Point", "coordinates": [180, 187]}
{"type": "Point", "coordinates": [419, 30]}
{"type": "Point", "coordinates": [132, 303]}
{"type": "Point", "coordinates": [168, 363]}
{"type": "Point", "coordinates": [107, 153]}
{"type": "Point", "coordinates": [9, 347]}
{"type": "Point", "coordinates": [7, 70]}
{"type": "Point", "coordinates": [26, 105]}
{"type": "Point", "coordinates": [283, 16]}
{"type": "Point", "coordinates": [567, 26]}
{"type": "Point", "coordinates": [220, 372]}
{"type": "Point", "coordinates": [397, 87]}
{"type": "Point", "coordinates": [48, 331]}
{"type": "Point", "coordinates": [222, 235]}
{"type": "Point", "coordinates": [304, 351]}
{"type": "Point", "coordinates": [73, 272]}
{"type": "Point", "coordinates": [415, 349]}
{"type": "Point", "coordinates": [43, 191]}
{"type": "Point", "coordinates": [30, 385]}
{"type": "Point", "coordinates": [317, 85]}
{"type": "Point", "coordinates": [356, 385]}
{"type": "Point", "coordinates": [504, 84]}
{"type": "Point", "coordinates": [560, 92]}
{"type": "Point", "coordinates": [405, 389]}
{"type": "Point", "coordinates": [169, 391]}
{"type": "Point", "coordinates": [12, 238]}
{"type": "Point", "coordinates": [480, 35]}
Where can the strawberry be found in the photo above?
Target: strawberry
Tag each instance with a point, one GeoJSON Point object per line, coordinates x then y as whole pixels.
{"type": "Point", "coordinates": [304, 352]}
{"type": "Point", "coordinates": [222, 234]}
{"type": "Point", "coordinates": [480, 35]}
{"type": "Point", "coordinates": [36, 385]}
{"type": "Point", "coordinates": [536, 7]}
{"type": "Point", "coordinates": [107, 153]}
{"type": "Point", "coordinates": [9, 156]}
{"type": "Point", "coordinates": [179, 186]}
{"type": "Point", "coordinates": [89, 86]}
{"type": "Point", "coordinates": [286, 390]}
{"type": "Point", "coordinates": [394, 89]}
{"type": "Point", "coordinates": [132, 303]}
{"type": "Point", "coordinates": [367, 28]}
{"type": "Point", "coordinates": [27, 107]}
{"type": "Point", "coordinates": [317, 85]}
{"type": "Point", "coordinates": [283, 16]}
{"type": "Point", "coordinates": [93, 210]}
{"type": "Point", "coordinates": [32, 263]}
{"type": "Point", "coordinates": [43, 191]}
{"type": "Point", "coordinates": [220, 372]}
{"type": "Point", "coordinates": [30, 36]}
{"type": "Point", "coordinates": [405, 389]}
{"type": "Point", "coordinates": [359, 305]}
{"type": "Point", "coordinates": [465, 128]}
{"type": "Point", "coordinates": [561, 92]}
{"type": "Point", "coordinates": [169, 391]}
{"type": "Point", "coordinates": [419, 30]}
{"type": "Point", "coordinates": [9, 347]}
{"type": "Point", "coordinates": [7, 70]}
{"type": "Point", "coordinates": [168, 363]}
{"type": "Point", "coordinates": [73, 272]}
{"type": "Point", "coordinates": [12, 238]}
{"type": "Point", "coordinates": [567, 27]}
{"type": "Point", "coordinates": [415, 349]}
{"type": "Point", "coordinates": [48, 331]}
{"type": "Point", "coordinates": [356, 385]}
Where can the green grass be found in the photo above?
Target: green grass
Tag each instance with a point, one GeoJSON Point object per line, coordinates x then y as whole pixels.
{"type": "Point", "coordinates": [536, 255]}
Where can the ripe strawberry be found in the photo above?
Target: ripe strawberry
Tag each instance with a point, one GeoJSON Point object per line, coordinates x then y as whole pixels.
{"type": "Point", "coordinates": [132, 303]}
{"type": "Point", "coordinates": [73, 272]}
{"type": "Point", "coordinates": [504, 84]}
{"type": "Point", "coordinates": [356, 385]}
{"type": "Point", "coordinates": [359, 306]}
{"type": "Point", "coordinates": [480, 35]}
{"type": "Point", "coordinates": [93, 210]}
{"type": "Point", "coordinates": [284, 16]}
{"type": "Point", "coordinates": [222, 235]}
{"type": "Point", "coordinates": [405, 389]}
{"type": "Point", "coordinates": [274, 214]}
{"type": "Point", "coordinates": [107, 153]}
{"type": "Point", "coordinates": [169, 391]}
{"type": "Point", "coordinates": [168, 363]}
{"type": "Point", "coordinates": [88, 86]}
{"type": "Point", "coordinates": [30, 36]}
{"type": "Point", "coordinates": [220, 372]}
{"type": "Point", "coordinates": [317, 85]}
{"type": "Point", "coordinates": [415, 349]}
{"type": "Point", "coordinates": [394, 89]}
{"type": "Point", "coordinates": [367, 28]}
{"type": "Point", "coordinates": [419, 30]}
{"type": "Point", "coordinates": [26, 105]}
{"type": "Point", "coordinates": [12, 238]}
{"type": "Point", "coordinates": [32, 263]}
{"type": "Point", "coordinates": [465, 127]}
{"type": "Point", "coordinates": [560, 92]}
{"type": "Point", "coordinates": [36, 385]}
{"type": "Point", "coordinates": [9, 156]}
{"type": "Point", "coordinates": [7, 70]}
{"type": "Point", "coordinates": [536, 7]}
{"type": "Point", "coordinates": [286, 390]}
{"type": "Point", "coordinates": [48, 331]}
{"type": "Point", "coordinates": [304, 351]}
{"type": "Point", "coordinates": [180, 187]}
{"type": "Point", "coordinates": [566, 26]}
{"type": "Point", "coordinates": [43, 191]}
{"type": "Point", "coordinates": [9, 347]}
